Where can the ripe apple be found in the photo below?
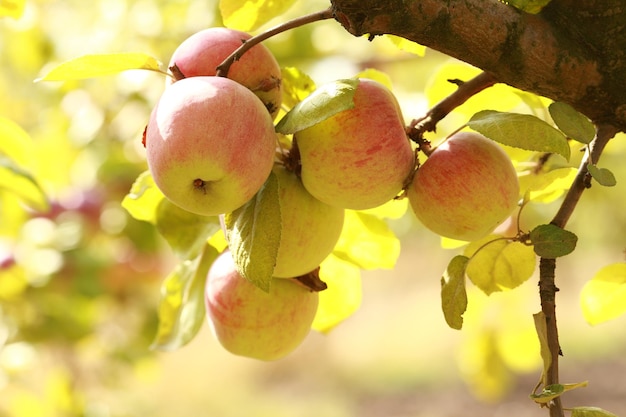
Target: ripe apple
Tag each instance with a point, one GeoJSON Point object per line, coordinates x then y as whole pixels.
{"type": "Point", "coordinates": [210, 144]}
{"type": "Point", "coordinates": [257, 69]}
{"type": "Point", "coordinates": [466, 187]}
{"type": "Point", "coordinates": [250, 322]}
{"type": "Point", "coordinates": [310, 228]}
{"type": "Point", "coordinates": [358, 158]}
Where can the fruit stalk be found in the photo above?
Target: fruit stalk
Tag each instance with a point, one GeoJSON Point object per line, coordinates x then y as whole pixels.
{"type": "Point", "coordinates": [222, 69]}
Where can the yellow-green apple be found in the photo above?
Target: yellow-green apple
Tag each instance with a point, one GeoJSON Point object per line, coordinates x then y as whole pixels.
{"type": "Point", "coordinates": [310, 228]}
{"type": "Point", "coordinates": [210, 144]}
{"type": "Point", "coordinates": [257, 69]}
{"type": "Point", "coordinates": [359, 158]}
{"type": "Point", "coordinates": [466, 187]}
{"type": "Point", "coordinates": [250, 322]}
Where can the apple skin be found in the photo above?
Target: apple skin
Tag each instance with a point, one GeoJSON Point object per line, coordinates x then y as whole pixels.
{"type": "Point", "coordinates": [250, 322]}
{"type": "Point", "coordinates": [359, 158]}
{"type": "Point", "coordinates": [466, 188]}
{"type": "Point", "coordinates": [257, 69]}
{"type": "Point", "coordinates": [310, 228]}
{"type": "Point", "coordinates": [210, 144]}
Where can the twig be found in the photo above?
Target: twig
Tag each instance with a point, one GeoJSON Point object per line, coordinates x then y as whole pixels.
{"type": "Point", "coordinates": [547, 267]}
{"type": "Point", "coordinates": [465, 91]}
{"type": "Point", "coordinates": [222, 69]}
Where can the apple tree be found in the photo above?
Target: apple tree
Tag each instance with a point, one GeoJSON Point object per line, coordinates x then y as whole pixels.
{"type": "Point", "coordinates": [273, 191]}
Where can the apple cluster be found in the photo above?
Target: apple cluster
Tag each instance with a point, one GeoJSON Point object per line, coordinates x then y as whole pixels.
{"type": "Point", "coordinates": [211, 145]}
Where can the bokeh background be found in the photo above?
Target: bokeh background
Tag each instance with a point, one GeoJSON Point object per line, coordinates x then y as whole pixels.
{"type": "Point", "coordinates": [79, 283]}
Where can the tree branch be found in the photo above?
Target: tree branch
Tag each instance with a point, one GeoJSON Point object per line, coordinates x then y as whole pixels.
{"type": "Point", "coordinates": [547, 267]}
{"type": "Point", "coordinates": [535, 53]}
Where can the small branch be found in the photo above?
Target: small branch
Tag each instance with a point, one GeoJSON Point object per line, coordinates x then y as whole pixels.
{"type": "Point", "coordinates": [604, 133]}
{"type": "Point", "coordinates": [222, 69]}
{"type": "Point", "coordinates": [547, 267]}
{"type": "Point", "coordinates": [464, 92]}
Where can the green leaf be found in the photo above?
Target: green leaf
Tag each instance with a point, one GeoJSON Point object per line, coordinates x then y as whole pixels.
{"type": "Point", "coordinates": [602, 175]}
{"type": "Point", "coordinates": [521, 131]}
{"type": "Point", "coordinates": [548, 394]}
{"type": "Point", "coordinates": [528, 6]}
{"type": "Point", "coordinates": [324, 102]}
{"type": "Point", "coordinates": [144, 199]}
{"type": "Point", "coordinates": [296, 86]}
{"type": "Point", "coordinates": [97, 65]}
{"type": "Point", "coordinates": [12, 8]}
{"type": "Point", "coordinates": [253, 234]}
{"type": "Point", "coordinates": [550, 241]}
{"type": "Point", "coordinates": [604, 297]}
{"type": "Point", "coordinates": [572, 123]}
{"type": "Point", "coordinates": [181, 309]}
{"type": "Point", "coordinates": [544, 347]}
{"type": "Point", "coordinates": [591, 412]}
{"type": "Point", "coordinates": [367, 241]}
{"type": "Point", "coordinates": [453, 293]}
{"type": "Point", "coordinates": [343, 295]}
{"type": "Point", "coordinates": [185, 232]}
{"type": "Point", "coordinates": [18, 181]}
{"type": "Point", "coordinates": [248, 15]}
{"type": "Point", "coordinates": [498, 263]}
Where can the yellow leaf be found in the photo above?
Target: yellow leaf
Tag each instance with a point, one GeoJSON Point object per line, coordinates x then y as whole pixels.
{"type": "Point", "coordinates": [12, 8]}
{"type": "Point", "coordinates": [15, 142]}
{"type": "Point", "coordinates": [376, 75]}
{"type": "Point", "coordinates": [296, 86]}
{"type": "Point", "coordinates": [393, 209]}
{"type": "Point", "coordinates": [604, 297]}
{"type": "Point", "coordinates": [143, 199]}
{"type": "Point", "coordinates": [97, 65]}
{"type": "Point", "coordinates": [547, 187]}
{"type": "Point", "coordinates": [498, 97]}
{"type": "Point", "coordinates": [497, 263]}
{"type": "Point", "coordinates": [343, 295]}
{"type": "Point", "coordinates": [367, 242]}
{"type": "Point", "coordinates": [407, 45]}
{"type": "Point", "coordinates": [248, 15]}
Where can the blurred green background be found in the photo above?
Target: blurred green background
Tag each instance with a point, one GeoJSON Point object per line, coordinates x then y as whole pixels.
{"type": "Point", "coordinates": [79, 284]}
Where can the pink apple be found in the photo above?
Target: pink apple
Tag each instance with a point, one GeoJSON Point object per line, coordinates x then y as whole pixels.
{"type": "Point", "coordinates": [250, 322]}
{"type": "Point", "coordinates": [466, 188]}
{"type": "Point", "coordinates": [210, 144]}
{"type": "Point", "coordinates": [358, 158]}
{"type": "Point", "coordinates": [257, 69]}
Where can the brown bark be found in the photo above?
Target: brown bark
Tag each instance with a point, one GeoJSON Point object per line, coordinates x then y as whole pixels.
{"type": "Point", "coordinates": [573, 51]}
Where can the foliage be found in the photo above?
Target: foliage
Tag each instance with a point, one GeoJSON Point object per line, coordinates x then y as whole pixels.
{"type": "Point", "coordinates": [97, 247]}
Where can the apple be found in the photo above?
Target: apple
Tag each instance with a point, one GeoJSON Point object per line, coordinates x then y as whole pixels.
{"type": "Point", "coordinates": [210, 144]}
{"type": "Point", "coordinates": [310, 228]}
{"type": "Point", "coordinates": [466, 187]}
{"type": "Point", "coordinates": [359, 158]}
{"type": "Point", "coordinates": [250, 322]}
{"type": "Point", "coordinates": [257, 69]}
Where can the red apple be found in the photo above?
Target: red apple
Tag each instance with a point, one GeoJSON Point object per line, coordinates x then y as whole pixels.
{"type": "Point", "coordinates": [250, 322]}
{"type": "Point", "coordinates": [257, 69]}
{"type": "Point", "coordinates": [466, 188]}
{"type": "Point", "coordinates": [210, 144]}
{"type": "Point", "coordinates": [358, 158]}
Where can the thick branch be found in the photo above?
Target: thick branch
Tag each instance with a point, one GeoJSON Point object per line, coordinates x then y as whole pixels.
{"type": "Point", "coordinates": [535, 53]}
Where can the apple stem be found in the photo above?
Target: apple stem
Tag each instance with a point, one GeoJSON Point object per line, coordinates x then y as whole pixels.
{"type": "Point", "coordinates": [222, 69]}
{"type": "Point", "coordinates": [547, 267]}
